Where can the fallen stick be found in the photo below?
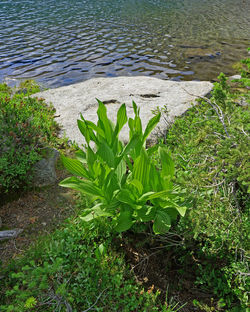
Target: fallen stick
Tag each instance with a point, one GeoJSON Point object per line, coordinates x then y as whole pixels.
{"type": "Point", "coordinates": [9, 234]}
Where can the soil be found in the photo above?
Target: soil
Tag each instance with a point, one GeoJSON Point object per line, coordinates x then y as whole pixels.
{"type": "Point", "coordinates": [36, 212]}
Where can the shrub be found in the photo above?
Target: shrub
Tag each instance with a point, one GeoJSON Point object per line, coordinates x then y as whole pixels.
{"type": "Point", "coordinates": [212, 160]}
{"type": "Point", "coordinates": [122, 181]}
{"type": "Point", "coordinates": [26, 126]}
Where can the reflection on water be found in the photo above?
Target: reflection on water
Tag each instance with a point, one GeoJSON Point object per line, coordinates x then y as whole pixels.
{"type": "Point", "coordinates": [59, 42]}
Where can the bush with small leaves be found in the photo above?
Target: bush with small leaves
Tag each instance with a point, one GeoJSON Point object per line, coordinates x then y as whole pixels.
{"type": "Point", "coordinates": [26, 126]}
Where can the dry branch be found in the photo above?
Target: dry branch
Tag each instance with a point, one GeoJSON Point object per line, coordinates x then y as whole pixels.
{"type": "Point", "coordinates": [10, 234]}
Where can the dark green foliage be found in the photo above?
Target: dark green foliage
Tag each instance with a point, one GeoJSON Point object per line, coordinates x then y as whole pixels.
{"type": "Point", "coordinates": [78, 268]}
{"type": "Point", "coordinates": [26, 126]}
{"type": "Point", "coordinates": [212, 162]}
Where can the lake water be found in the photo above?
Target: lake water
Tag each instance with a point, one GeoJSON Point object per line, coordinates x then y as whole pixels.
{"type": "Point", "coordinates": [59, 42]}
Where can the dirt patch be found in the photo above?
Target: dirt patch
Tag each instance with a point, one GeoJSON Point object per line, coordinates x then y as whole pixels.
{"type": "Point", "coordinates": [37, 212]}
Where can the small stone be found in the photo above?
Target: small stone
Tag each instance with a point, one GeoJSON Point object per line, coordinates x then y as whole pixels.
{"type": "Point", "coordinates": [44, 223]}
{"type": "Point", "coordinates": [242, 101]}
{"type": "Point", "coordinates": [235, 77]}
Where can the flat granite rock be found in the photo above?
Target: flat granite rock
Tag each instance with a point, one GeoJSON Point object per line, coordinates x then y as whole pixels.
{"type": "Point", "coordinates": [148, 93]}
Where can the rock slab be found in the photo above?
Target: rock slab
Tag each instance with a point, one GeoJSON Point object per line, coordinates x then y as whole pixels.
{"type": "Point", "coordinates": [148, 93]}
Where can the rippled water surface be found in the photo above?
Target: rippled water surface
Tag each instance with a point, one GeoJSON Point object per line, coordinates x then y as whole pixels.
{"type": "Point", "coordinates": [59, 42]}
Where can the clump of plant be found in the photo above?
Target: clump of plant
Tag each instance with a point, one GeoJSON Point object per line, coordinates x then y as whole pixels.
{"type": "Point", "coordinates": [122, 181]}
{"type": "Point", "coordinates": [26, 126]}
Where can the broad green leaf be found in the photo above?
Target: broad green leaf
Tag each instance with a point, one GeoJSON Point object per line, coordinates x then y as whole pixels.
{"type": "Point", "coordinates": [132, 143]}
{"type": "Point", "coordinates": [83, 129]}
{"type": "Point", "coordinates": [86, 131]}
{"type": "Point", "coordinates": [91, 158]}
{"type": "Point", "coordinates": [124, 221]}
{"type": "Point", "coordinates": [135, 108]}
{"type": "Point", "coordinates": [106, 153]}
{"type": "Point", "coordinates": [74, 166]}
{"type": "Point", "coordinates": [180, 209]}
{"type": "Point", "coordinates": [155, 179]}
{"type": "Point", "coordinates": [126, 197]}
{"type": "Point", "coordinates": [94, 127]}
{"type": "Point", "coordinates": [166, 182]}
{"type": "Point", "coordinates": [131, 127]}
{"type": "Point", "coordinates": [96, 212]}
{"type": "Point", "coordinates": [111, 186]}
{"type": "Point", "coordinates": [87, 187]}
{"type": "Point", "coordinates": [128, 162]}
{"type": "Point", "coordinates": [146, 213]}
{"type": "Point", "coordinates": [112, 206]}
{"type": "Point", "coordinates": [167, 162]}
{"type": "Point", "coordinates": [151, 125]}
{"type": "Point", "coordinates": [145, 196]}
{"type": "Point", "coordinates": [81, 156]}
{"type": "Point", "coordinates": [141, 169]}
{"type": "Point", "coordinates": [172, 212]}
{"type": "Point", "coordinates": [154, 195]}
{"type": "Point", "coordinates": [121, 171]}
{"type": "Point", "coordinates": [138, 186]}
{"type": "Point", "coordinates": [97, 169]}
{"type": "Point", "coordinates": [138, 125]}
{"type": "Point", "coordinates": [101, 175]}
{"type": "Point", "coordinates": [135, 124]}
{"type": "Point", "coordinates": [137, 149]}
{"type": "Point", "coordinates": [121, 120]}
{"type": "Point", "coordinates": [104, 122]}
{"type": "Point", "coordinates": [162, 222]}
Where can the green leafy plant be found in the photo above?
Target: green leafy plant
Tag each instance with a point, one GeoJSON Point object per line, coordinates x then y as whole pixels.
{"type": "Point", "coordinates": [122, 180]}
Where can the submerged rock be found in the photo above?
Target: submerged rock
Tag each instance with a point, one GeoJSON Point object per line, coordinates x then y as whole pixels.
{"type": "Point", "coordinates": [148, 93]}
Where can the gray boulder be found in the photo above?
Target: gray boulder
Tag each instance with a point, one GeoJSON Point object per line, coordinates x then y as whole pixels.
{"type": "Point", "coordinates": [44, 171]}
{"type": "Point", "coordinates": [148, 93]}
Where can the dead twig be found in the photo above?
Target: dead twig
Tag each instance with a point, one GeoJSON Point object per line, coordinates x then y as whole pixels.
{"type": "Point", "coordinates": [97, 299]}
{"type": "Point", "coordinates": [215, 107]}
{"type": "Point", "coordinates": [214, 185]}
